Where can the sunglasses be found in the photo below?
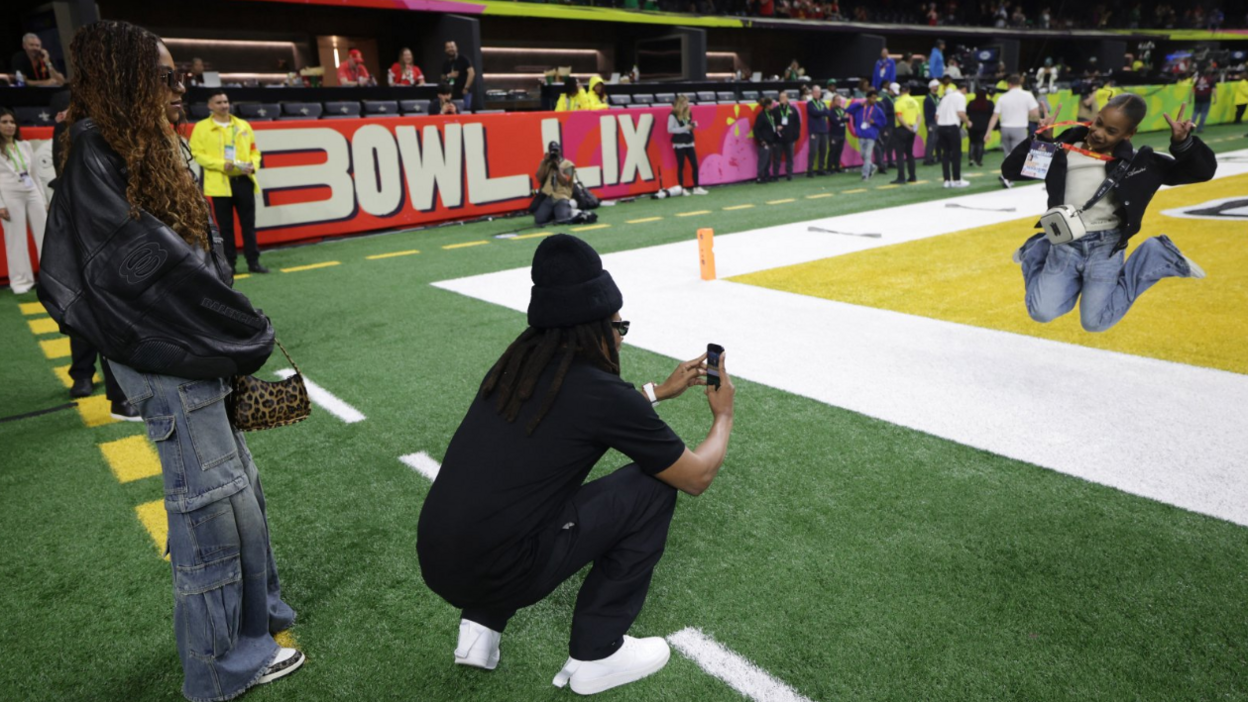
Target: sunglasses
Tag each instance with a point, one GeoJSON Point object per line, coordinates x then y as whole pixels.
{"type": "Point", "coordinates": [621, 327]}
{"type": "Point", "coordinates": [173, 79]}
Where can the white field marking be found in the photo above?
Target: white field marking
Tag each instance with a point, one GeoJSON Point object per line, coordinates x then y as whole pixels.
{"type": "Point", "coordinates": [326, 400]}
{"type": "Point", "coordinates": [1167, 431]}
{"type": "Point", "coordinates": [422, 463]}
{"type": "Point", "coordinates": [737, 671]}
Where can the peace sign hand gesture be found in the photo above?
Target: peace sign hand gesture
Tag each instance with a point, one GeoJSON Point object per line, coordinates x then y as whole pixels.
{"type": "Point", "coordinates": [1180, 129]}
{"type": "Point", "coordinates": [1050, 119]}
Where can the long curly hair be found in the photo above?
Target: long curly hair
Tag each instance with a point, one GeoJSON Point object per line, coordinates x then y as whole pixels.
{"type": "Point", "coordinates": [117, 84]}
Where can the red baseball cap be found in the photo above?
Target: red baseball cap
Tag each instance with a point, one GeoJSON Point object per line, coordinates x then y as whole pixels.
{"type": "Point", "coordinates": [355, 54]}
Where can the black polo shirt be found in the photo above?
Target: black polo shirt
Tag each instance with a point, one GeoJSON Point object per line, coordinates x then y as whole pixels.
{"type": "Point", "coordinates": [21, 62]}
{"type": "Point", "coordinates": [459, 63]}
{"type": "Point", "coordinates": [490, 519]}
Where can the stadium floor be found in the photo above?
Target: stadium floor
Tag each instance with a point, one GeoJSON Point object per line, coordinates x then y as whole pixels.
{"type": "Point", "coordinates": [886, 527]}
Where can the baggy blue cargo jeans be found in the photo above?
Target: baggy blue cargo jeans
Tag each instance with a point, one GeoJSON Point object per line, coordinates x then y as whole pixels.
{"type": "Point", "coordinates": [227, 601]}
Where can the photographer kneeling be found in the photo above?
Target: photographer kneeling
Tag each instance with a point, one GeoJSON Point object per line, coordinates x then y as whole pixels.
{"type": "Point", "coordinates": [557, 180]}
{"type": "Point", "coordinates": [508, 518]}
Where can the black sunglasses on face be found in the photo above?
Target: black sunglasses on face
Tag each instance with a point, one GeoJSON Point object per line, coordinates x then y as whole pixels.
{"type": "Point", "coordinates": [621, 327]}
{"type": "Point", "coordinates": [172, 79]}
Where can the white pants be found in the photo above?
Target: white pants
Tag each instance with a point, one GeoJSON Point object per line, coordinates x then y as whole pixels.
{"type": "Point", "coordinates": [25, 207]}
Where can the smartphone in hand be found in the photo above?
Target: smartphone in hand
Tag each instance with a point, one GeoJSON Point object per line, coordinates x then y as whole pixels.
{"type": "Point", "coordinates": [713, 352]}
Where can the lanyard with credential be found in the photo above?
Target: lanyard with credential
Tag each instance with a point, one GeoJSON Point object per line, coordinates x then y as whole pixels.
{"type": "Point", "coordinates": [15, 152]}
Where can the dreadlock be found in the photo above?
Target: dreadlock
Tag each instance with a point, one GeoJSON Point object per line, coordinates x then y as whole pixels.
{"type": "Point", "coordinates": [117, 84]}
{"type": "Point", "coordinates": [517, 371]}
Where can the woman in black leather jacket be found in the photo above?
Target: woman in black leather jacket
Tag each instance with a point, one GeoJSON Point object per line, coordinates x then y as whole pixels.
{"type": "Point", "coordinates": [130, 268]}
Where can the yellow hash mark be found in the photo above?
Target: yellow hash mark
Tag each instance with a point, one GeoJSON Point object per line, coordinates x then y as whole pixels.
{"type": "Point", "coordinates": [55, 348]}
{"type": "Point", "coordinates": [920, 182]}
{"type": "Point", "coordinates": [974, 175]}
{"type": "Point", "coordinates": [31, 307]}
{"type": "Point", "coordinates": [62, 374]}
{"type": "Point", "coordinates": [887, 187]}
{"type": "Point", "coordinates": [153, 517]}
{"type": "Point", "coordinates": [643, 220]}
{"type": "Point", "coordinates": [96, 411]}
{"type": "Point", "coordinates": [690, 214]}
{"type": "Point", "coordinates": [534, 235]}
{"type": "Point", "coordinates": [466, 244]}
{"type": "Point", "coordinates": [819, 195]}
{"type": "Point", "coordinates": [286, 639]}
{"type": "Point", "coordinates": [392, 254]}
{"type": "Point", "coordinates": [311, 266]}
{"type": "Point", "coordinates": [590, 227]}
{"type": "Point", "coordinates": [47, 325]}
{"type": "Point", "coordinates": [855, 191]}
{"type": "Point", "coordinates": [738, 207]}
{"type": "Point", "coordinates": [242, 276]}
{"type": "Point", "coordinates": [131, 458]}
{"type": "Point", "coordinates": [781, 202]}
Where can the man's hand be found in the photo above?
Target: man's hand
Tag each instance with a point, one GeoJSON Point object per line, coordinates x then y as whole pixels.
{"type": "Point", "coordinates": [686, 375]}
{"type": "Point", "coordinates": [4, 214]}
{"type": "Point", "coordinates": [722, 398]}
{"type": "Point", "coordinates": [245, 168]}
{"type": "Point", "coordinates": [229, 166]}
{"type": "Point", "coordinates": [1180, 129]}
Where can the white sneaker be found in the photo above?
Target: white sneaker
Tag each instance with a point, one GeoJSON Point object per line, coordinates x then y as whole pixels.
{"type": "Point", "coordinates": [1017, 256]}
{"type": "Point", "coordinates": [1005, 182]}
{"type": "Point", "coordinates": [1197, 271]}
{"type": "Point", "coordinates": [948, 183]}
{"type": "Point", "coordinates": [960, 184]}
{"type": "Point", "coordinates": [686, 193]}
{"type": "Point", "coordinates": [288, 661]}
{"type": "Point", "coordinates": [478, 646]}
{"type": "Point", "coordinates": [699, 191]}
{"type": "Point", "coordinates": [636, 659]}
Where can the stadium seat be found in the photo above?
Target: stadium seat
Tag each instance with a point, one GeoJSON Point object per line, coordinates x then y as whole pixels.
{"type": "Point", "coordinates": [641, 99]}
{"type": "Point", "coordinates": [199, 111]}
{"type": "Point", "coordinates": [727, 102]}
{"type": "Point", "coordinates": [726, 95]}
{"type": "Point", "coordinates": [35, 116]}
{"type": "Point", "coordinates": [773, 94]}
{"type": "Point", "coordinates": [637, 106]}
{"type": "Point", "coordinates": [490, 112]}
{"type": "Point", "coordinates": [259, 111]}
{"type": "Point", "coordinates": [707, 96]}
{"type": "Point", "coordinates": [618, 107]}
{"type": "Point", "coordinates": [620, 99]}
{"type": "Point", "coordinates": [413, 107]}
{"type": "Point", "coordinates": [749, 95]}
{"type": "Point", "coordinates": [349, 109]}
{"type": "Point", "coordinates": [665, 98]}
{"type": "Point", "coordinates": [301, 110]}
{"type": "Point", "coordinates": [381, 108]}
{"type": "Point", "coordinates": [794, 94]}
{"type": "Point", "coordinates": [459, 106]}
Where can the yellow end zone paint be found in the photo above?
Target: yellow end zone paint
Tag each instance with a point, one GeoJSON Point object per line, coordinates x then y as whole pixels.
{"type": "Point", "coordinates": [131, 458]}
{"type": "Point", "coordinates": [738, 207]}
{"type": "Point", "coordinates": [590, 227]}
{"type": "Point", "coordinates": [153, 518]}
{"type": "Point", "coordinates": [465, 245]}
{"type": "Point", "coordinates": [690, 214]}
{"type": "Point", "coordinates": [534, 235]}
{"type": "Point", "coordinates": [56, 348]}
{"type": "Point", "coordinates": [47, 325]}
{"type": "Point", "coordinates": [392, 254]}
{"type": "Point", "coordinates": [967, 277]}
{"type": "Point", "coordinates": [310, 267]}
{"type": "Point", "coordinates": [62, 374]}
{"type": "Point", "coordinates": [95, 410]}
{"type": "Point", "coordinates": [643, 220]}
{"type": "Point", "coordinates": [31, 308]}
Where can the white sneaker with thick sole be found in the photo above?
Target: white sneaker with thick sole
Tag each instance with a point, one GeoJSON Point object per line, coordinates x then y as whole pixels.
{"type": "Point", "coordinates": [960, 184]}
{"type": "Point", "coordinates": [478, 646]}
{"type": "Point", "coordinates": [948, 183]}
{"type": "Point", "coordinates": [288, 661]}
{"type": "Point", "coordinates": [1005, 182]}
{"type": "Point", "coordinates": [699, 191]}
{"type": "Point", "coordinates": [636, 659]}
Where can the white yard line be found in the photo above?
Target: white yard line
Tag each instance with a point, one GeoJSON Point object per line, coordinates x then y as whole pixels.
{"type": "Point", "coordinates": [326, 400]}
{"type": "Point", "coordinates": [737, 671]}
{"type": "Point", "coordinates": [422, 463]}
{"type": "Point", "coordinates": [1171, 432]}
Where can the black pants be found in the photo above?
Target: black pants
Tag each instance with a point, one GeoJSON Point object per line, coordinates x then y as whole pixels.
{"type": "Point", "coordinates": [684, 154]}
{"type": "Point", "coordinates": [882, 153]}
{"type": "Point", "coordinates": [778, 150]}
{"type": "Point", "coordinates": [818, 161]}
{"type": "Point", "coordinates": [764, 160]}
{"type": "Point", "coordinates": [558, 211]}
{"type": "Point", "coordinates": [903, 150]}
{"type": "Point", "coordinates": [975, 145]}
{"type": "Point", "coordinates": [1239, 113]}
{"type": "Point", "coordinates": [242, 199]}
{"type": "Point", "coordinates": [83, 366]}
{"type": "Point", "coordinates": [619, 524]}
{"type": "Point", "coordinates": [931, 154]}
{"type": "Point", "coordinates": [950, 140]}
{"type": "Point", "coordinates": [836, 145]}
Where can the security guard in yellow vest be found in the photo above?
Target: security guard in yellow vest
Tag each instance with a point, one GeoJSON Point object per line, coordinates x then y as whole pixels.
{"type": "Point", "coordinates": [225, 147]}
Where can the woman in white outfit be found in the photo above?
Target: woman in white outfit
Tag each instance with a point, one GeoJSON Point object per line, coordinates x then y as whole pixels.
{"type": "Point", "coordinates": [22, 202]}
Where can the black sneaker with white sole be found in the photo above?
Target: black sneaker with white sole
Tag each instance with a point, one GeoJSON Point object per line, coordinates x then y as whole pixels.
{"type": "Point", "coordinates": [287, 661]}
{"type": "Point", "coordinates": [124, 412]}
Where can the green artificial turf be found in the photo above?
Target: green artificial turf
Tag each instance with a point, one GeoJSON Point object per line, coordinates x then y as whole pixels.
{"type": "Point", "coordinates": [849, 557]}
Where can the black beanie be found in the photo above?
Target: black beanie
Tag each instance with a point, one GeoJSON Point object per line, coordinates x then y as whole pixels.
{"type": "Point", "coordinates": [569, 285]}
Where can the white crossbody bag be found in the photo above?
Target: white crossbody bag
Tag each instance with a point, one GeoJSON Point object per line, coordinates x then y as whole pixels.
{"type": "Point", "coordinates": [1064, 223]}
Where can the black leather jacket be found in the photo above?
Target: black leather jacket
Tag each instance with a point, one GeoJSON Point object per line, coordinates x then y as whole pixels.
{"type": "Point", "coordinates": [1192, 162]}
{"type": "Point", "coordinates": [134, 288]}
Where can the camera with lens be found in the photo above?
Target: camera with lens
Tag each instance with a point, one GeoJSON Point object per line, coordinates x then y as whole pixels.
{"type": "Point", "coordinates": [554, 152]}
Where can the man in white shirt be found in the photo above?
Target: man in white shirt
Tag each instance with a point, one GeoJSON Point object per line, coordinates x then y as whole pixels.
{"type": "Point", "coordinates": [1014, 110]}
{"type": "Point", "coordinates": [950, 119]}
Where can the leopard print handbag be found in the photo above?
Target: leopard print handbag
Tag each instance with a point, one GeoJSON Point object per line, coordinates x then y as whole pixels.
{"type": "Point", "coordinates": [257, 404]}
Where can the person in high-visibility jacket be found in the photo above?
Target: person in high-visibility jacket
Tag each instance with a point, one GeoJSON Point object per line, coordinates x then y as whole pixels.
{"type": "Point", "coordinates": [225, 147]}
{"type": "Point", "coordinates": [1241, 97]}
{"type": "Point", "coordinates": [573, 97]}
{"type": "Point", "coordinates": [596, 97]}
